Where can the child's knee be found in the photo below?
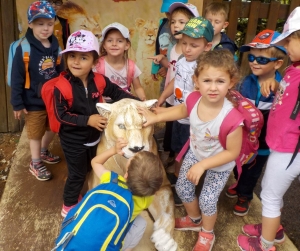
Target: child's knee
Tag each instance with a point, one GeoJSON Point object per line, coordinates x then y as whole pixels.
{"type": "Point", "coordinates": [208, 207]}
{"type": "Point", "coordinates": [271, 207]}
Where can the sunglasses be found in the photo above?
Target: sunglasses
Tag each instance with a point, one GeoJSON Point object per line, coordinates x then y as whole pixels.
{"type": "Point", "coordinates": [261, 60]}
{"type": "Point", "coordinates": [57, 3]}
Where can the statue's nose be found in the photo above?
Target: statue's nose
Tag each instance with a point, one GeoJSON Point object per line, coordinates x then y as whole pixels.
{"type": "Point", "coordinates": [136, 149]}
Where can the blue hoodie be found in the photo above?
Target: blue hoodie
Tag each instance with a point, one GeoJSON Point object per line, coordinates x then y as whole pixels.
{"type": "Point", "coordinates": [42, 67]}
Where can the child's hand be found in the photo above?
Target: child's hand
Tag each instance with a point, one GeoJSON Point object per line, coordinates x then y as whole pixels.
{"type": "Point", "coordinates": [18, 114]}
{"type": "Point", "coordinates": [158, 110]}
{"type": "Point", "coordinates": [160, 101]}
{"type": "Point", "coordinates": [162, 72]}
{"type": "Point", "coordinates": [150, 116]}
{"type": "Point", "coordinates": [120, 144]}
{"type": "Point", "coordinates": [156, 59]}
{"type": "Point", "coordinates": [154, 77]}
{"type": "Point", "coordinates": [97, 122]}
{"type": "Point", "coordinates": [266, 86]}
{"type": "Point", "coordinates": [195, 173]}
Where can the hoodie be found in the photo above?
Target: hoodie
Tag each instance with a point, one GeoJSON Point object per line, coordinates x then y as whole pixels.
{"type": "Point", "coordinates": [42, 67]}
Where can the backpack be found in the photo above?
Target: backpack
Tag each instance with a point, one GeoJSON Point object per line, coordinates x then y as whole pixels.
{"type": "Point", "coordinates": [245, 112]}
{"type": "Point", "coordinates": [26, 57]}
{"type": "Point", "coordinates": [99, 221]}
{"type": "Point", "coordinates": [65, 88]}
{"type": "Point", "coordinates": [100, 68]}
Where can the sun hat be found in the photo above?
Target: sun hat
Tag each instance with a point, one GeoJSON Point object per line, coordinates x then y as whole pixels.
{"type": "Point", "coordinates": [166, 4]}
{"type": "Point", "coordinates": [82, 41]}
{"type": "Point", "coordinates": [40, 9]}
{"type": "Point", "coordinates": [192, 8]}
{"type": "Point", "coordinates": [198, 27]}
{"type": "Point", "coordinates": [120, 27]}
{"type": "Point", "coordinates": [264, 39]}
{"type": "Point", "coordinates": [291, 25]}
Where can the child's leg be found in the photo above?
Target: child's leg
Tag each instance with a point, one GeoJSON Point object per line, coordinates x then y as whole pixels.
{"type": "Point", "coordinates": [135, 233]}
{"type": "Point", "coordinates": [277, 179]}
{"type": "Point", "coordinates": [47, 138]}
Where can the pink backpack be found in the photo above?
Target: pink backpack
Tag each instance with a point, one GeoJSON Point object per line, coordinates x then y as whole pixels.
{"type": "Point", "coordinates": [100, 68]}
{"type": "Point", "coordinates": [245, 112]}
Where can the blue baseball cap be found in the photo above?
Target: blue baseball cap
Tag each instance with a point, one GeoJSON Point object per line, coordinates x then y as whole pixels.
{"type": "Point", "coordinates": [167, 3]}
{"type": "Point", "coordinates": [264, 39]}
{"type": "Point", "coordinates": [40, 9]}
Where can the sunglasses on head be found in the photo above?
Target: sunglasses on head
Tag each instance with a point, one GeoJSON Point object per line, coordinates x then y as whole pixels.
{"type": "Point", "coordinates": [261, 60]}
{"type": "Point", "coordinates": [58, 3]}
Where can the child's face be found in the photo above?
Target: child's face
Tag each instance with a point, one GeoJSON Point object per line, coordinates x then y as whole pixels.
{"type": "Point", "coordinates": [213, 83]}
{"type": "Point", "coordinates": [178, 21]}
{"type": "Point", "coordinates": [292, 45]}
{"type": "Point", "coordinates": [80, 63]}
{"type": "Point", "coordinates": [218, 22]}
{"type": "Point", "coordinates": [115, 44]}
{"type": "Point", "coordinates": [42, 28]}
{"type": "Point", "coordinates": [260, 70]}
{"type": "Point", "coordinates": [193, 47]}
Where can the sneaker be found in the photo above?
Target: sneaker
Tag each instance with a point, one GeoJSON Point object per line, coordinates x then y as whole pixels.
{"type": "Point", "coordinates": [66, 209]}
{"type": "Point", "coordinates": [185, 223]}
{"type": "Point", "coordinates": [177, 200]}
{"type": "Point", "coordinates": [40, 171]}
{"type": "Point", "coordinates": [172, 178]}
{"type": "Point", "coordinates": [241, 208]}
{"type": "Point", "coordinates": [49, 158]}
{"type": "Point", "coordinates": [246, 243]}
{"type": "Point", "coordinates": [254, 230]}
{"type": "Point", "coordinates": [205, 242]}
{"type": "Point", "coordinates": [231, 193]}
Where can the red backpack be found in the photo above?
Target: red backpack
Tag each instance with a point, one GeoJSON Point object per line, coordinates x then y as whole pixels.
{"type": "Point", "coordinates": [65, 88]}
{"type": "Point", "coordinates": [100, 68]}
{"type": "Point", "coordinates": [245, 112]}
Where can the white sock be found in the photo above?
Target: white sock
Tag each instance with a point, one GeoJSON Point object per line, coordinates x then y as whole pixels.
{"type": "Point", "coordinates": [206, 231]}
{"type": "Point", "coordinates": [266, 245]}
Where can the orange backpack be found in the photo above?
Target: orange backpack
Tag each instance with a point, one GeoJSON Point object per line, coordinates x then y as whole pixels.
{"type": "Point", "coordinates": [65, 88]}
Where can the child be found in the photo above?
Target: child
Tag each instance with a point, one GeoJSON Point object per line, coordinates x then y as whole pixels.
{"type": "Point", "coordinates": [283, 139]}
{"type": "Point", "coordinates": [264, 59]}
{"type": "Point", "coordinates": [144, 177]}
{"type": "Point", "coordinates": [217, 14]}
{"type": "Point", "coordinates": [115, 43]}
{"type": "Point", "coordinates": [215, 74]}
{"type": "Point", "coordinates": [180, 14]}
{"type": "Point", "coordinates": [81, 124]}
{"type": "Point", "coordinates": [196, 38]}
{"type": "Point", "coordinates": [42, 67]}
{"type": "Point", "coordinates": [61, 26]}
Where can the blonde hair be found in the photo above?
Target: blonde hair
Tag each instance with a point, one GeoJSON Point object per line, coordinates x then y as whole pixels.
{"type": "Point", "coordinates": [295, 34]}
{"type": "Point", "coordinates": [275, 52]}
{"type": "Point", "coordinates": [145, 174]}
{"type": "Point", "coordinates": [217, 8]}
{"type": "Point", "coordinates": [222, 59]}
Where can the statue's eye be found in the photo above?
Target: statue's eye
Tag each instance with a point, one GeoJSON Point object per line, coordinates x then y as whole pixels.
{"type": "Point", "coordinates": [122, 126]}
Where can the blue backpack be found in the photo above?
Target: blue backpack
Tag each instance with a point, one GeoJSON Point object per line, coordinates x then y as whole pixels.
{"type": "Point", "coordinates": [100, 221]}
{"type": "Point", "coordinates": [26, 56]}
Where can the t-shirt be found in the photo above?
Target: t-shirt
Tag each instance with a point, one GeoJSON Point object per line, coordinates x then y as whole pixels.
{"type": "Point", "coordinates": [139, 203]}
{"type": "Point", "coordinates": [283, 132]}
{"type": "Point", "coordinates": [171, 71]}
{"type": "Point", "coordinates": [204, 136]}
{"type": "Point", "coordinates": [183, 84]}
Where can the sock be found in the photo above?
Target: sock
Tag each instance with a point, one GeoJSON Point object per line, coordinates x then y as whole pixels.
{"type": "Point", "coordinates": [44, 150]}
{"type": "Point", "coordinates": [266, 245]}
{"type": "Point", "coordinates": [36, 161]}
{"type": "Point", "coordinates": [206, 231]}
{"type": "Point", "coordinates": [196, 220]}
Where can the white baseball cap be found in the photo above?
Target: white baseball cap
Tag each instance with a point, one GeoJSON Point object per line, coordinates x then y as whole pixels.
{"type": "Point", "coordinates": [192, 8]}
{"type": "Point", "coordinates": [291, 25]}
{"type": "Point", "coordinates": [120, 27]}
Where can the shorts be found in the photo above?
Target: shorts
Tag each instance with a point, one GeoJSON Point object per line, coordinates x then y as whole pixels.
{"type": "Point", "coordinates": [36, 124]}
{"type": "Point", "coordinates": [180, 135]}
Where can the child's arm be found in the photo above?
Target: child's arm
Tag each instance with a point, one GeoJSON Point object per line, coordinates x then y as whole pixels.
{"type": "Point", "coordinates": [166, 93]}
{"type": "Point", "coordinates": [232, 151]}
{"type": "Point", "coordinates": [269, 84]}
{"type": "Point", "coordinates": [139, 90]}
{"type": "Point", "coordinates": [100, 159]}
{"type": "Point", "coordinates": [170, 114]}
{"type": "Point", "coordinates": [160, 59]}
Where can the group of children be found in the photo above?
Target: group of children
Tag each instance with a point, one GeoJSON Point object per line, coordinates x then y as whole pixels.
{"type": "Point", "coordinates": [199, 57]}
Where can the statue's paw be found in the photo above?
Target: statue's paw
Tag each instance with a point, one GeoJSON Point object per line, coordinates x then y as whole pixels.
{"type": "Point", "coordinates": [163, 241]}
{"type": "Point", "coordinates": [164, 222]}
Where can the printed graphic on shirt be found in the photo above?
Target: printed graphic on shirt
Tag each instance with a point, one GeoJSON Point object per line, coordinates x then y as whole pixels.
{"type": "Point", "coordinates": [164, 40]}
{"type": "Point", "coordinates": [46, 67]}
{"type": "Point", "coordinates": [207, 143]}
{"type": "Point", "coordinates": [280, 92]}
{"type": "Point", "coordinates": [121, 82]}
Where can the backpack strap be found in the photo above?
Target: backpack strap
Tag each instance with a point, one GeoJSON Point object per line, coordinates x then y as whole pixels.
{"type": "Point", "coordinates": [100, 83]}
{"type": "Point", "coordinates": [130, 72]}
{"type": "Point", "coordinates": [101, 66]}
{"type": "Point", "coordinates": [26, 56]}
{"type": "Point", "coordinates": [191, 100]}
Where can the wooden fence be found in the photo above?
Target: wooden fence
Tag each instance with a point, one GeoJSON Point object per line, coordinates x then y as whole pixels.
{"type": "Point", "coordinates": [254, 11]}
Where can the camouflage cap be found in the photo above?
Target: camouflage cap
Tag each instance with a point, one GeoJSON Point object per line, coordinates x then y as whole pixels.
{"type": "Point", "coordinates": [198, 27]}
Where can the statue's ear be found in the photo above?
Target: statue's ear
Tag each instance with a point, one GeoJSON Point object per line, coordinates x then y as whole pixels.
{"type": "Point", "coordinates": [104, 109]}
{"type": "Point", "coordinates": [150, 103]}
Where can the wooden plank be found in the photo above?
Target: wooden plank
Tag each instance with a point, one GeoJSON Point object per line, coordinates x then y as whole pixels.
{"type": "Point", "coordinates": [273, 14]}
{"type": "Point", "coordinates": [293, 5]}
{"type": "Point", "coordinates": [234, 11]}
